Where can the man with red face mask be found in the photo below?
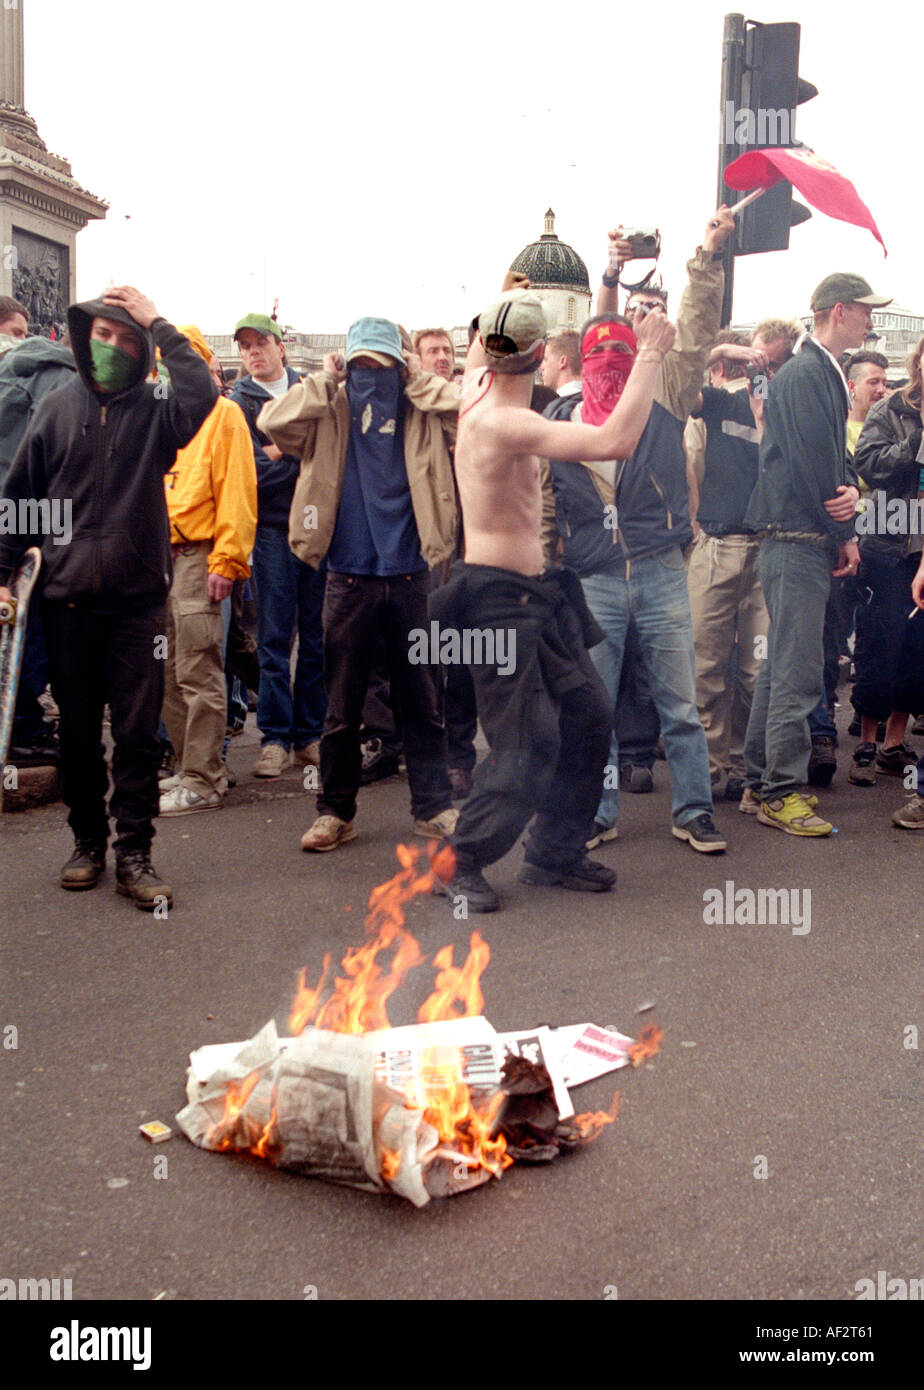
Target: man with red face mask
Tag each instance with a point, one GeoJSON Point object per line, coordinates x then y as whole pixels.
{"type": "Point", "coordinates": [624, 525]}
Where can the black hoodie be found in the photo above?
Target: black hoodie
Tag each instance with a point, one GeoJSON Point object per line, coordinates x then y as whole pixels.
{"type": "Point", "coordinates": [104, 455]}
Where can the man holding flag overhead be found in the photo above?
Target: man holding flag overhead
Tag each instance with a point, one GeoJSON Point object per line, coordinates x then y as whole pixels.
{"type": "Point", "coordinates": [803, 505]}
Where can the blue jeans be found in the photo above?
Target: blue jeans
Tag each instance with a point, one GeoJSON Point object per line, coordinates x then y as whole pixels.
{"type": "Point", "coordinates": [288, 592]}
{"type": "Point", "coordinates": [654, 595]}
{"type": "Point", "coordinates": [796, 581]}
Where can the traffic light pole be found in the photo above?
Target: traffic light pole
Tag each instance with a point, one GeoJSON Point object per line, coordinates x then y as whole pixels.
{"type": "Point", "coordinates": [732, 73]}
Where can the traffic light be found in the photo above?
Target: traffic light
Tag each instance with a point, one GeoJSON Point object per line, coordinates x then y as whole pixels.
{"type": "Point", "coordinates": [761, 89]}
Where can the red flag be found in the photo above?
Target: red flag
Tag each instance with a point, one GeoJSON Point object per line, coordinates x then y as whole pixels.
{"type": "Point", "coordinates": [815, 178]}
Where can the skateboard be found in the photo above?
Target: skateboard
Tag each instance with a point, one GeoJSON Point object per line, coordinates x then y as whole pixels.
{"type": "Point", "coordinates": [13, 618]}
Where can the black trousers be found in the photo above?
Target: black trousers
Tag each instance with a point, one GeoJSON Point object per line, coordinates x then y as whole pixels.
{"type": "Point", "coordinates": [357, 609]}
{"type": "Point", "coordinates": [96, 658]}
{"type": "Point", "coordinates": [548, 723]}
{"type": "Point", "coordinates": [889, 649]}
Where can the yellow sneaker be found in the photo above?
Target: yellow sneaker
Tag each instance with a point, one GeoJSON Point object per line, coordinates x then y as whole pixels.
{"type": "Point", "coordinates": [793, 814]}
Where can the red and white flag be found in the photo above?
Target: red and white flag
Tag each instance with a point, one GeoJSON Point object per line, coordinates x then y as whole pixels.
{"type": "Point", "coordinates": [816, 179]}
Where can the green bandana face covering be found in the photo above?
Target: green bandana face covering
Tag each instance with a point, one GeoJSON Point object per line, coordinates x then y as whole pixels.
{"type": "Point", "coordinates": [113, 368]}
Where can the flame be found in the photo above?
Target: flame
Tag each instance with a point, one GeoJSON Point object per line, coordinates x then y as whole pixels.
{"type": "Point", "coordinates": [648, 1045]}
{"type": "Point", "coordinates": [236, 1098]}
{"type": "Point", "coordinates": [457, 985]}
{"type": "Point", "coordinates": [590, 1124]}
{"type": "Point", "coordinates": [263, 1143]}
{"type": "Point", "coordinates": [389, 1163]}
{"type": "Point", "coordinates": [356, 1003]}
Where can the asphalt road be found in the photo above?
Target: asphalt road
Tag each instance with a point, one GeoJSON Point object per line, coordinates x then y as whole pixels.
{"type": "Point", "coordinates": [785, 1053]}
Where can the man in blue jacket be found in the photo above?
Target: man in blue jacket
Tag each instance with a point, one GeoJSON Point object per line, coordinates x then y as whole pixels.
{"type": "Point", "coordinates": [803, 506]}
{"type": "Point", "coordinates": [289, 592]}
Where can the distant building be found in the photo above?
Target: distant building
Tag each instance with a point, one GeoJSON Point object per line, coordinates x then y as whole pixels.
{"type": "Point", "coordinates": [558, 275]}
{"type": "Point", "coordinates": [897, 331]}
{"type": "Point", "coordinates": [556, 272]}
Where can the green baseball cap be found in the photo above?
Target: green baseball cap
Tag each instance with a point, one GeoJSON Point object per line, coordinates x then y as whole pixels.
{"type": "Point", "coordinates": [842, 288]}
{"type": "Point", "coordinates": [261, 323]}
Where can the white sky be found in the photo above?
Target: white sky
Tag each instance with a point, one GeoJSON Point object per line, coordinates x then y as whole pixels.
{"type": "Point", "coordinates": [392, 159]}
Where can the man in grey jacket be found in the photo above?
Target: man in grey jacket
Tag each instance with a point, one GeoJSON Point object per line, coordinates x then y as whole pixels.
{"type": "Point", "coordinates": [803, 506]}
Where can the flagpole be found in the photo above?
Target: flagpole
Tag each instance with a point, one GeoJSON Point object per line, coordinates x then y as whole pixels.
{"type": "Point", "coordinates": [738, 207]}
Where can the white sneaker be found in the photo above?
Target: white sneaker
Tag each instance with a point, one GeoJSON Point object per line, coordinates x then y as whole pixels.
{"type": "Point", "coordinates": [601, 834]}
{"type": "Point", "coordinates": [273, 761]}
{"type": "Point", "coordinates": [440, 826]}
{"type": "Point", "coordinates": [180, 801]}
{"type": "Point", "coordinates": [169, 783]}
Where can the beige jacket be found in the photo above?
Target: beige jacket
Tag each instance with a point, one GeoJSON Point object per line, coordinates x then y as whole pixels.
{"type": "Point", "coordinates": [312, 420]}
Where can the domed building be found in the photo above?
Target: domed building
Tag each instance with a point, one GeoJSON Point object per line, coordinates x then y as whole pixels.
{"type": "Point", "coordinates": [558, 275]}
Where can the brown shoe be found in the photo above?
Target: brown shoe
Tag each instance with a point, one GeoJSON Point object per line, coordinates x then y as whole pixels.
{"type": "Point", "coordinates": [327, 833]}
{"type": "Point", "coordinates": [136, 878]}
{"type": "Point", "coordinates": [85, 866]}
{"type": "Point", "coordinates": [309, 755]}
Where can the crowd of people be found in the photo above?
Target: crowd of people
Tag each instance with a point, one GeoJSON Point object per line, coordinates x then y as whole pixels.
{"type": "Point", "coordinates": [669, 545]}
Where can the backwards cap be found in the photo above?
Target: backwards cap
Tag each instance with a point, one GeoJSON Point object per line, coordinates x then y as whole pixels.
{"type": "Point", "coordinates": [512, 329]}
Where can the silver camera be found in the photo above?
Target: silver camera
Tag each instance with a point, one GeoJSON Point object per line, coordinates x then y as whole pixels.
{"type": "Point", "coordinates": [646, 242]}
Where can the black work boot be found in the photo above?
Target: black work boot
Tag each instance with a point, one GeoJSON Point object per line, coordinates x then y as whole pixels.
{"type": "Point", "coordinates": [471, 885]}
{"type": "Point", "coordinates": [136, 878]}
{"type": "Point", "coordinates": [85, 866]}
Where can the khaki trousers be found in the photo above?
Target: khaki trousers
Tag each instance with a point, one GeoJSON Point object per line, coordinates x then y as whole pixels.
{"type": "Point", "coordinates": [727, 605]}
{"type": "Point", "coordinates": [195, 695]}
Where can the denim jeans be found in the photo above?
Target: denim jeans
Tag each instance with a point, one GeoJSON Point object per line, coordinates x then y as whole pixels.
{"type": "Point", "coordinates": [288, 592]}
{"type": "Point", "coordinates": [796, 580]}
{"type": "Point", "coordinates": [653, 593]}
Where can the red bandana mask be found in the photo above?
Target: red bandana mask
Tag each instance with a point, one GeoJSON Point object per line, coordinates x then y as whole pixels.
{"type": "Point", "coordinates": [604, 373]}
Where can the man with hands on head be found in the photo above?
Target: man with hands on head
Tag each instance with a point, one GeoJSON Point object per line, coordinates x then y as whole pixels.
{"type": "Point", "coordinates": [373, 433]}
{"type": "Point", "coordinates": [102, 443]}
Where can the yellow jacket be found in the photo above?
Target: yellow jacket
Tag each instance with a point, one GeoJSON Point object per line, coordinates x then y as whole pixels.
{"type": "Point", "coordinates": [212, 487]}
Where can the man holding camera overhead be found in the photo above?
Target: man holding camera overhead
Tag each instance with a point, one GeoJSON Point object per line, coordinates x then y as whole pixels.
{"type": "Point", "coordinates": [625, 525]}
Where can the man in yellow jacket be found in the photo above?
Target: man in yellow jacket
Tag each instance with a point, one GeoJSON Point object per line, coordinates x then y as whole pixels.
{"type": "Point", "coordinates": [212, 505]}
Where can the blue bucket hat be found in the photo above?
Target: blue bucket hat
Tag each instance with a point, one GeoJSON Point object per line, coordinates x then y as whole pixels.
{"type": "Point", "coordinates": [374, 336]}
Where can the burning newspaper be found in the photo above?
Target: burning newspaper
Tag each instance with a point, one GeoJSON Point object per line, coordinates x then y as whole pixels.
{"type": "Point", "coordinates": [416, 1110]}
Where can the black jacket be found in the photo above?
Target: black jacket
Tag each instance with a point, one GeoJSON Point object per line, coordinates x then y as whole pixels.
{"type": "Point", "coordinates": [103, 456]}
{"type": "Point", "coordinates": [276, 478]}
{"type": "Point", "coordinates": [803, 453]}
{"type": "Point", "coordinates": [887, 458]}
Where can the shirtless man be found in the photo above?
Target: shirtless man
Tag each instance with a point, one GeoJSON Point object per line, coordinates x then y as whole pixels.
{"type": "Point", "coordinates": [544, 711]}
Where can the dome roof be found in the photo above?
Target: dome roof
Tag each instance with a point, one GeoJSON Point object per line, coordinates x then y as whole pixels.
{"type": "Point", "coordinates": [551, 263]}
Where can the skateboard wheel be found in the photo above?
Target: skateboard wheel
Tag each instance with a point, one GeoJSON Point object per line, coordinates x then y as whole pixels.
{"type": "Point", "coordinates": [8, 611]}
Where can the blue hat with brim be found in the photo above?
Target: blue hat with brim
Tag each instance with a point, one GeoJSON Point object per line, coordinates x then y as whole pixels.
{"type": "Point", "coordinates": [373, 338]}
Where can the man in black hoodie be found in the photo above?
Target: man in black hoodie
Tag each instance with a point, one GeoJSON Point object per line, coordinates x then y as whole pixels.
{"type": "Point", "coordinates": [97, 449]}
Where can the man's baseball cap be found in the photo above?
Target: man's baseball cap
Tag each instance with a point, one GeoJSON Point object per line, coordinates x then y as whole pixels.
{"type": "Point", "coordinates": [376, 338]}
{"type": "Point", "coordinates": [842, 288]}
{"type": "Point", "coordinates": [512, 329]}
{"type": "Point", "coordinates": [261, 323]}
